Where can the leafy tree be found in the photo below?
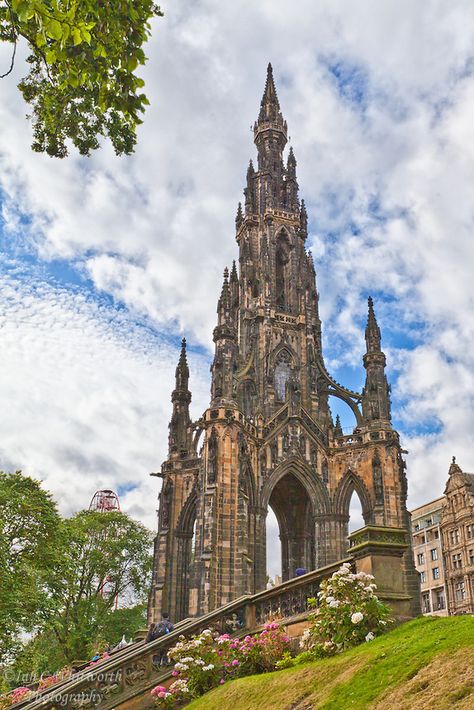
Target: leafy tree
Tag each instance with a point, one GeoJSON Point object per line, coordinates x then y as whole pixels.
{"type": "Point", "coordinates": [105, 556]}
{"type": "Point", "coordinates": [82, 82]}
{"type": "Point", "coordinates": [29, 526]}
{"type": "Point", "coordinates": [43, 654]}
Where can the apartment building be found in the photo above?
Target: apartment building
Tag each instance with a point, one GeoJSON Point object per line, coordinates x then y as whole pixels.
{"type": "Point", "coordinates": [428, 552]}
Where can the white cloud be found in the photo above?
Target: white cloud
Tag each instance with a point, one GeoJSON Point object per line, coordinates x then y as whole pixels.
{"type": "Point", "coordinates": [379, 99]}
{"type": "Point", "coordinates": [86, 396]}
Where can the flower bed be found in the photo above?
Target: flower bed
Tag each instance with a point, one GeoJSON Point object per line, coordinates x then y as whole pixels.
{"type": "Point", "coordinates": [209, 659]}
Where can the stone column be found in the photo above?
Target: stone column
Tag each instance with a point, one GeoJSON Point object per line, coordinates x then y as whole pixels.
{"type": "Point", "coordinates": [379, 551]}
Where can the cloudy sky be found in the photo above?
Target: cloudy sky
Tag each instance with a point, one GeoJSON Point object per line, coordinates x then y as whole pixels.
{"type": "Point", "coordinates": [106, 262]}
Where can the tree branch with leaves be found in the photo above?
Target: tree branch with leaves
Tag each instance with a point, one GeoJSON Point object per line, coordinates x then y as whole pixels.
{"type": "Point", "coordinates": [82, 82]}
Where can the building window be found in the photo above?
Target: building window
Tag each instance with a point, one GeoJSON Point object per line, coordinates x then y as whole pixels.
{"type": "Point", "coordinates": [460, 591]}
{"type": "Point", "coordinates": [439, 602]}
{"type": "Point", "coordinates": [471, 557]}
{"type": "Point", "coordinates": [435, 572]}
{"type": "Point", "coordinates": [422, 577]}
{"type": "Point", "coordinates": [436, 534]}
{"type": "Point", "coordinates": [434, 554]}
{"type": "Point", "coordinates": [282, 374]}
{"type": "Point", "coordinates": [457, 561]}
{"type": "Point", "coordinates": [454, 534]}
{"type": "Point", "coordinates": [421, 558]}
{"type": "Point", "coordinates": [425, 603]}
{"type": "Point", "coordinates": [469, 531]}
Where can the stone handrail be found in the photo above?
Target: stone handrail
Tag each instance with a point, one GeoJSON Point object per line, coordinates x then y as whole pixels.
{"type": "Point", "coordinates": [136, 669]}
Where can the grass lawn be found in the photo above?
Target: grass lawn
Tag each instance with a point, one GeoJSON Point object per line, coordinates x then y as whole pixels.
{"type": "Point", "coordinates": [425, 663]}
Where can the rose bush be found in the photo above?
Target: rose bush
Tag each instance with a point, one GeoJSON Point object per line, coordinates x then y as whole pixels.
{"type": "Point", "coordinates": [210, 659]}
{"type": "Point", "coordinates": [347, 612]}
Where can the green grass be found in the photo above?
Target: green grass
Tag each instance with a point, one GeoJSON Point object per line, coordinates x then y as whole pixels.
{"type": "Point", "coordinates": [403, 662]}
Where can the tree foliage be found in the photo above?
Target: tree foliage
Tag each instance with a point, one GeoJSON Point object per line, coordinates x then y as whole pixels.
{"type": "Point", "coordinates": [29, 526]}
{"type": "Point", "coordinates": [82, 82]}
{"type": "Point", "coordinates": [61, 577]}
{"type": "Point", "coordinates": [105, 556]}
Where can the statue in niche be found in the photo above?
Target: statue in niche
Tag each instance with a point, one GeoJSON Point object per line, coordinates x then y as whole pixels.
{"type": "Point", "coordinates": [165, 505]}
{"type": "Point", "coordinates": [325, 471]}
{"type": "Point", "coordinates": [378, 479]}
{"type": "Point", "coordinates": [212, 458]}
{"type": "Point", "coordinates": [293, 391]}
{"type": "Point", "coordinates": [274, 452]}
{"type": "Point", "coordinates": [286, 442]}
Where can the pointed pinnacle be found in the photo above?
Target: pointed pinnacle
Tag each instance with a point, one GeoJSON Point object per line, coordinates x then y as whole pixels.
{"type": "Point", "coordinates": [233, 274]}
{"type": "Point", "coordinates": [270, 105]}
{"type": "Point", "coordinates": [372, 330]}
{"type": "Point", "coordinates": [291, 157]}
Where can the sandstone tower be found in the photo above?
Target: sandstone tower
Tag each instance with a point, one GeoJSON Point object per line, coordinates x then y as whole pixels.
{"type": "Point", "coordinates": [268, 438]}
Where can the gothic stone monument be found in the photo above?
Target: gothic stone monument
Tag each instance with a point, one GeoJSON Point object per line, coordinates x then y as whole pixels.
{"type": "Point", "coordinates": [268, 438]}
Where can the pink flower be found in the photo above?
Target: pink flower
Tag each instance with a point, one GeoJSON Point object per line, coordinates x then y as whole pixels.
{"type": "Point", "coordinates": [158, 691]}
{"type": "Point", "coordinates": [235, 662]}
{"type": "Point", "coordinates": [222, 681]}
{"type": "Point", "coordinates": [175, 673]}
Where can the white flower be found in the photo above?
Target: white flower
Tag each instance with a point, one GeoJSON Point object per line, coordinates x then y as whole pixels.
{"type": "Point", "coordinates": [208, 667]}
{"type": "Point", "coordinates": [333, 603]}
{"type": "Point", "coordinates": [370, 636]}
{"type": "Point", "coordinates": [199, 662]}
{"type": "Point", "coordinates": [357, 617]}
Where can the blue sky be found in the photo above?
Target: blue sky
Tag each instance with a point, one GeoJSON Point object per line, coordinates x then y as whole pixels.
{"type": "Point", "coordinates": [107, 262]}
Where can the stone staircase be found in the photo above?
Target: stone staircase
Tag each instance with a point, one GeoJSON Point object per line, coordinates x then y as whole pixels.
{"type": "Point", "coordinates": [125, 680]}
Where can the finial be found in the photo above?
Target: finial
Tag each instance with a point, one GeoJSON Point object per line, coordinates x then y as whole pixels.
{"type": "Point", "coordinates": [233, 274]}
{"type": "Point", "coordinates": [226, 274]}
{"type": "Point", "coordinates": [239, 216]}
{"type": "Point", "coordinates": [337, 427]}
{"type": "Point", "coordinates": [183, 344]}
{"type": "Point", "coordinates": [370, 303]}
{"type": "Point", "coordinates": [454, 468]}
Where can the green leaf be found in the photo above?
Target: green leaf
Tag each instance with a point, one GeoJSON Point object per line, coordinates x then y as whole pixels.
{"type": "Point", "coordinates": [54, 29]}
{"type": "Point", "coordinates": [76, 36]}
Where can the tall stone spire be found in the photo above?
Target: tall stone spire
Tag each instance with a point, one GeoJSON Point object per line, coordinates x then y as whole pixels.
{"type": "Point", "coordinates": [376, 393]}
{"type": "Point", "coordinates": [225, 335]}
{"type": "Point", "coordinates": [270, 136]}
{"type": "Point", "coordinates": [269, 106]}
{"type": "Point", "coordinates": [179, 432]}
{"type": "Point", "coordinates": [372, 330]}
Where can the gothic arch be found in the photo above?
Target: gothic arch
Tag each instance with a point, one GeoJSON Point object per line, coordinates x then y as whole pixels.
{"type": "Point", "coordinates": [313, 485]}
{"type": "Point", "coordinates": [184, 552]}
{"type": "Point", "coordinates": [281, 350]}
{"type": "Point", "coordinates": [349, 483]}
{"type": "Point", "coordinates": [187, 516]}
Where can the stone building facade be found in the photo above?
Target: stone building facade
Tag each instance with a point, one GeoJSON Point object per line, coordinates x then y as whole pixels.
{"type": "Point", "coordinates": [428, 556]}
{"type": "Point", "coordinates": [443, 547]}
{"type": "Point", "coordinates": [457, 530]}
{"type": "Point", "coordinates": [268, 438]}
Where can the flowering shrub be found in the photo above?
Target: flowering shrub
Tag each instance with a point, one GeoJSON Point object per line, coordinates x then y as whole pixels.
{"type": "Point", "coordinates": [347, 613]}
{"type": "Point", "coordinates": [57, 677]}
{"type": "Point", "coordinates": [15, 696]}
{"type": "Point", "coordinates": [209, 659]}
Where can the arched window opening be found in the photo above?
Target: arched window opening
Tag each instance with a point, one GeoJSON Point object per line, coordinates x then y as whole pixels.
{"type": "Point", "coordinates": [282, 375]}
{"type": "Point", "coordinates": [273, 549]}
{"type": "Point", "coordinates": [356, 517]}
{"type": "Point", "coordinates": [341, 409]}
{"type": "Point", "coordinates": [293, 514]}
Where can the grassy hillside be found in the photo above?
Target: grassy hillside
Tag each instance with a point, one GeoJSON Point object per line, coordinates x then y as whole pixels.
{"type": "Point", "coordinates": [426, 663]}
